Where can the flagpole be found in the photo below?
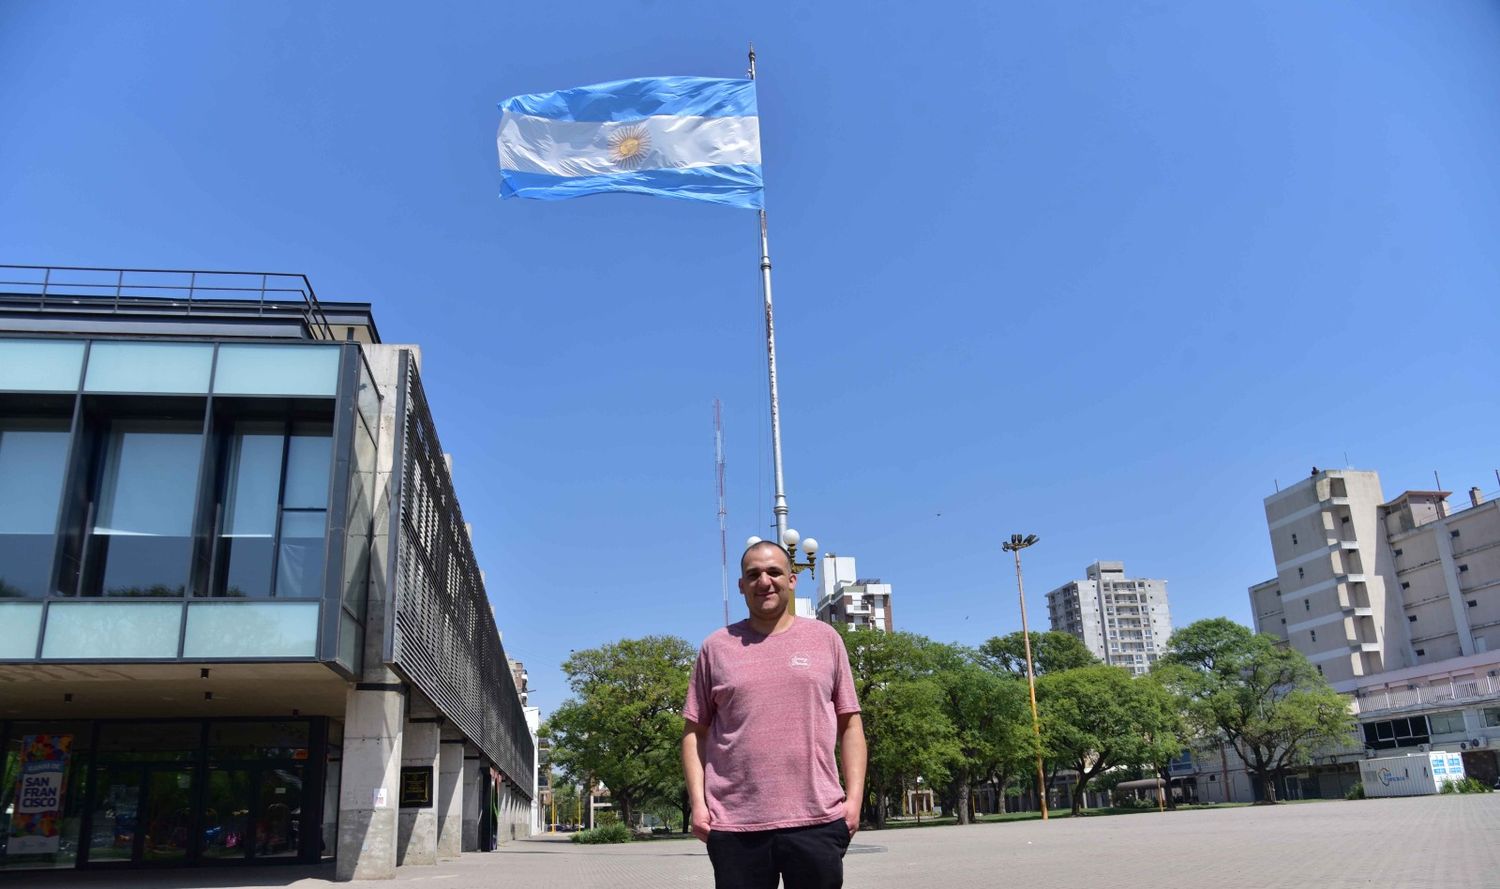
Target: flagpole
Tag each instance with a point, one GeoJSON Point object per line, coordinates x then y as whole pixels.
{"type": "Point", "coordinates": [780, 507]}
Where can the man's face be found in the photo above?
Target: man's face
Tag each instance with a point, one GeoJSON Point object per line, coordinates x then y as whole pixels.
{"type": "Point", "coordinates": [766, 581]}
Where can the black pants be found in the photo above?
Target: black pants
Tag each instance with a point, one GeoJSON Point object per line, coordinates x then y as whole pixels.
{"type": "Point", "coordinates": [803, 857]}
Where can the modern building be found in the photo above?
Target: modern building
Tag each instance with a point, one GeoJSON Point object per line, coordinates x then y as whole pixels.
{"type": "Point", "coordinates": [1397, 603]}
{"type": "Point", "coordinates": [241, 620]}
{"type": "Point", "coordinates": [848, 600]}
{"type": "Point", "coordinates": [1123, 621]}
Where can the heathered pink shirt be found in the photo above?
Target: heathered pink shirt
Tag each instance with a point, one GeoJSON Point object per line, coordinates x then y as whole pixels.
{"type": "Point", "coordinates": [771, 704]}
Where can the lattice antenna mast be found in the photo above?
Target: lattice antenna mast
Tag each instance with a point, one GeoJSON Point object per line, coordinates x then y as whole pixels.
{"type": "Point", "coordinates": [719, 477]}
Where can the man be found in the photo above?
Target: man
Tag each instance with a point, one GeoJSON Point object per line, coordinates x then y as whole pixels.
{"type": "Point", "coordinates": [768, 699]}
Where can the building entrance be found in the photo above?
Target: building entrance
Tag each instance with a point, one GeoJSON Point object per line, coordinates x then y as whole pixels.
{"type": "Point", "coordinates": [182, 792]}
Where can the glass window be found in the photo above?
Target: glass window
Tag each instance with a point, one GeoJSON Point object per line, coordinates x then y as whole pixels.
{"type": "Point", "coordinates": [252, 629]}
{"type": "Point", "coordinates": [141, 543]}
{"type": "Point", "coordinates": [33, 459]}
{"type": "Point", "coordinates": [276, 481]}
{"type": "Point", "coordinates": [19, 624]}
{"type": "Point", "coordinates": [30, 843]}
{"type": "Point", "coordinates": [299, 560]}
{"type": "Point", "coordinates": [258, 740]}
{"type": "Point", "coordinates": [1451, 722]}
{"type": "Point", "coordinates": [149, 740]}
{"type": "Point", "coordinates": [1492, 717]}
{"type": "Point", "coordinates": [277, 370]}
{"type": "Point", "coordinates": [40, 365]}
{"type": "Point", "coordinates": [247, 541]}
{"type": "Point", "coordinates": [92, 630]}
{"type": "Point", "coordinates": [309, 455]}
{"type": "Point", "coordinates": [148, 367]}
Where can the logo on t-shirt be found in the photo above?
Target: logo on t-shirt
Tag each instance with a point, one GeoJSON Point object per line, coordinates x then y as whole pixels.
{"type": "Point", "coordinates": [801, 661]}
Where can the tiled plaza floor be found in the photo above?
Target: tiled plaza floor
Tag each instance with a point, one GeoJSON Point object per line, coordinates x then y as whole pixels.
{"type": "Point", "coordinates": [1440, 842]}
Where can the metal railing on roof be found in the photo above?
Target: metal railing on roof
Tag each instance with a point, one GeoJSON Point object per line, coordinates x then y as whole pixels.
{"type": "Point", "coordinates": [173, 291]}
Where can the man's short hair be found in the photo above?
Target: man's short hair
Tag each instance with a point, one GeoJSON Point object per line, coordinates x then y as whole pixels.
{"type": "Point", "coordinates": [774, 545]}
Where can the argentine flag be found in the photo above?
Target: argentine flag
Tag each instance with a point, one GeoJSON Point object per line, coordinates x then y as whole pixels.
{"type": "Point", "coordinates": [696, 138]}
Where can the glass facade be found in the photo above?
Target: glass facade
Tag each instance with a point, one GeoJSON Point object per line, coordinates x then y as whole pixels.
{"type": "Point", "coordinates": [142, 479]}
{"type": "Point", "coordinates": [174, 791]}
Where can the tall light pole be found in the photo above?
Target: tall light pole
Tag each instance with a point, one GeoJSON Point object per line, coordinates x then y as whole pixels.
{"type": "Point", "coordinates": [1014, 547]}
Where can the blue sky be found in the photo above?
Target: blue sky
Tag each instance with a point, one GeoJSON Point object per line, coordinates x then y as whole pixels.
{"type": "Point", "coordinates": [1103, 272]}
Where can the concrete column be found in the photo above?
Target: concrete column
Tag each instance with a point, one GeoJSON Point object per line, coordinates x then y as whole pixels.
{"type": "Point", "coordinates": [417, 835]}
{"type": "Point", "coordinates": [473, 792]}
{"type": "Point", "coordinates": [369, 786]}
{"type": "Point", "coordinates": [450, 798]}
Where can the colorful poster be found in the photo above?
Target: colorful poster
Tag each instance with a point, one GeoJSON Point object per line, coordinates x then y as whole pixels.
{"type": "Point", "coordinates": [35, 824]}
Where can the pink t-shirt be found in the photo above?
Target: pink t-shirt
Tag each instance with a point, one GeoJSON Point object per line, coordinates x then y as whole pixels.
{"type": "Point", "coordinates": [771, 704]}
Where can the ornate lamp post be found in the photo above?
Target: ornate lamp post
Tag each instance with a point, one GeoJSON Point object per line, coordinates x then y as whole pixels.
{"type": "Point", "coordinates": [790, 539]}
{"type": "Point", "coordinates": [1014, 546]}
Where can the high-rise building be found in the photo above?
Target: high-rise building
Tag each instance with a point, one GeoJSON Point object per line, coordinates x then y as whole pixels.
{"type": "Point", "coordinates": [848, 600]}
{"type": "Point", "coordinates": [1397, 603]}
{"type": "Point", "coordinates": [1123, 621]}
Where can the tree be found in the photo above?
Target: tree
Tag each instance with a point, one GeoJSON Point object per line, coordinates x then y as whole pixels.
{"type": "Point", "coordinates": [1051, 652]}
{"type": "Point", "coordinates": [906, 730]}
{"type": "Point", "coordinates": [1170, 737]}
{"type": "Point", "coordinates": [990, 719]}
{"type": "Point", "coordinates": [1095, 718]}
{"type": "Point", "coordinates": [1263, 699]}
{"type": "Point", "coordinates": [623, 726]}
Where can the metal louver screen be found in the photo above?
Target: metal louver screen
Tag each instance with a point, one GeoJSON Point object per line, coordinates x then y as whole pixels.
{"type": "Point", "coordinates": [446, 642]}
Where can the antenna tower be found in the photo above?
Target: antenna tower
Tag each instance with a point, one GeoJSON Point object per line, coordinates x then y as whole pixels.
{"type": "Point", "coordinates": [719, 478]}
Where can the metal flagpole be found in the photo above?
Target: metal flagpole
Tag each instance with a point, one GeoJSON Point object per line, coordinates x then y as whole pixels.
{"type": "Point", "coordinates": [780, 507]}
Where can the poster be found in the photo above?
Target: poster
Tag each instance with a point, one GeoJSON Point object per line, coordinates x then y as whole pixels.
{"type": "Point", "coordinates": [37, 819]}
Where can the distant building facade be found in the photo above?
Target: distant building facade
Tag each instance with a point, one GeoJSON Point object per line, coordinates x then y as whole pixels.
{"type": "Point", "coordinates": [1124, 621]}
{"type": "Point", "coordinates": [845, 599]}
{"type": "Point", "coordinates": [1397, 603]}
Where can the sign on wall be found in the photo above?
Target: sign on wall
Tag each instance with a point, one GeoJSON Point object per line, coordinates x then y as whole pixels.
{"type": "Point", "coordinates": [35, 825]}
{"type": "Point", "coordinates": [416, 787]}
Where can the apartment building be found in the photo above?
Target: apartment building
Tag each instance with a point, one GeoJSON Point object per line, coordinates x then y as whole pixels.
{"type": "Point", "coordinates": [1123, 621]}
{"type": "Point", "coordinates": [848, 600]}
{"type": "Point", "coordinates": [1397, 603]}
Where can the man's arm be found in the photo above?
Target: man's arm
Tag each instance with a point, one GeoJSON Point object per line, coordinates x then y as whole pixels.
{"type": "Point", "coordinates": [852, 754]}
{"type": "Point", "coordinates": [694, 737]}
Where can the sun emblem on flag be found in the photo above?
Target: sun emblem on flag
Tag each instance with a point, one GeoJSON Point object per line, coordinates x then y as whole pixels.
{"type": "Point", "coordinates": [628, 147]}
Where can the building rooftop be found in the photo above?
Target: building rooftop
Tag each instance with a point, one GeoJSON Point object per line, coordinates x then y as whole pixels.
{"type": "Point", "coordinates": [175, 302]}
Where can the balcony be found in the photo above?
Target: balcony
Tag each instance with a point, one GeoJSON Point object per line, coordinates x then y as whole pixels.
{"type": "Point", "coordinates": [1482, 688]}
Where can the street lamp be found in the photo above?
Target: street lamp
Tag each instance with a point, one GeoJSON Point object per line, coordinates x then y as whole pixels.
{"type": "Point", "coordinates": [790, 539]}
{"type": "Point", "coordinates": [1014, 546]}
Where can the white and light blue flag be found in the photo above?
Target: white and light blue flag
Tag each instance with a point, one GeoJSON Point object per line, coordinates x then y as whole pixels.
{"type": "Point", "coordinates": [696, 138]}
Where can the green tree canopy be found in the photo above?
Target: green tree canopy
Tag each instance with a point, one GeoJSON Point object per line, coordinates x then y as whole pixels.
{"type": "Point", "coordinates": [1263, 699]}
{"type": "Point", "coordinates": [623, 726]}
{"type": "Point", "coordinates": [990, 717]}
{"type": "Point", "coordinates": [1051, 652]}
{"type": "Point", "coordinates": [1098, 717]}
{"type": "Point", "coordinates": [906, 729]}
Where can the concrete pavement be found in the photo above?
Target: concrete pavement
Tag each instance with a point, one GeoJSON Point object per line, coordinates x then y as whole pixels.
{"type": "Point", "coordinates": [1438, 842]}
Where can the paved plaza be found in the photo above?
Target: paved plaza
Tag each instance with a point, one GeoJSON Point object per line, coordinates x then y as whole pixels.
{"type": "Point", "coordinates": [1438, 842]}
